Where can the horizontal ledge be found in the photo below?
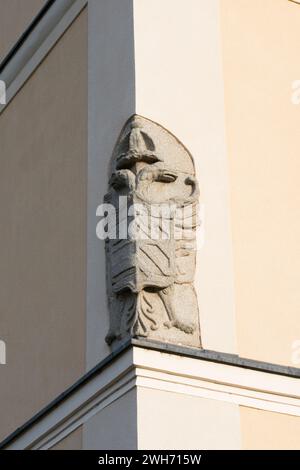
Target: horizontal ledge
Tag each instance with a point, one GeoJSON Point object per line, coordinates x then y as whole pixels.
{"type": "Point", "coordinates": [142, 357]}
{"type": "Point", "coordinates": [220, 357]}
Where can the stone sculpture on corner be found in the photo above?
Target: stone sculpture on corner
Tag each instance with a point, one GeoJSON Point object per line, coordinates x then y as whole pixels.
{"type": "Point", "coordinates": [151, 260]}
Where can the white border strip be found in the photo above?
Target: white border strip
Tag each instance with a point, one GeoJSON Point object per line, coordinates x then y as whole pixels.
{"type": "Point", "coordinates": [51, 27]}
{"type": "Point", "coordinates": [144, 368]}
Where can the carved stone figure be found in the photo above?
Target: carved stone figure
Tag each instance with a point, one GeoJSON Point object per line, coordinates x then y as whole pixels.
{"type": "Point", "coordinates": [151, 262]}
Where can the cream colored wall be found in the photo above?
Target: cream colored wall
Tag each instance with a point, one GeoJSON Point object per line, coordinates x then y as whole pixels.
{"type": "Point", "coordinates": [179, 84]}
{"type": "Point", "coordinates": [43, 135]}
{"type": "Point", "coordinates": [72, 442]}
{"type": "Point", "coordinates": [147, 418]}
{"type": "Point", "coordinates": [266, 430]}
{"type": "Point", "coordinates": [15, 17]}
{"type": "Point", "coordinates": [168, 420]}
{"type": "Point", "coordinates": [260, 56]}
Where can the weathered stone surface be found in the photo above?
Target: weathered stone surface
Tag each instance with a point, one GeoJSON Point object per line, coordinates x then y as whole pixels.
{"type": "Point", "coordinates": [151, 264]}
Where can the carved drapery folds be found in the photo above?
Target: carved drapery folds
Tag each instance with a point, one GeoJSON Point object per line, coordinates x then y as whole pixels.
{"type": "Point", "coordinates": [151, 259]}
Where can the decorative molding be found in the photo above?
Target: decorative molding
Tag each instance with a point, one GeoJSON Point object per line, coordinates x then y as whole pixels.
{"type": "Point", "coordinates": [18, 67]}
{"type": "Point", "coordinates": [217, 381]}
{"type": "Point", "coordinates": [137, 367]}
{"type": "Point", "coordinates": [151, 246]}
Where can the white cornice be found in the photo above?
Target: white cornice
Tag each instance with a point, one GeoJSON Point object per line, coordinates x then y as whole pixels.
{"type": "Point", "coordinates": [139, 368]}
{"type": "Point", "coordinates": [37, 45]}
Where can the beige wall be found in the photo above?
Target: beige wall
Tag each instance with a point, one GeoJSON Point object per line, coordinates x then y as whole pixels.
{"type": "Point", "coordinates": [42, 238]}
{"type": "Point", "coordinates": [72, 442]}
{"type": "Point", "coordinates": [260, 56]}
{"type": "Point", "coordinates": [265, 430]}
{"type": "Point", "coordinates": [15, 17]}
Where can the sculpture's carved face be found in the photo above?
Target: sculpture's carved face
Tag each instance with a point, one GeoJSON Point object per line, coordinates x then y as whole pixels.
{"type": "Point", "coordinates": [155, 173]}
{"type": "Point", "coordinates": [155, 184]}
